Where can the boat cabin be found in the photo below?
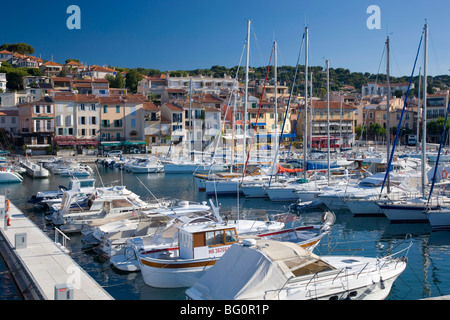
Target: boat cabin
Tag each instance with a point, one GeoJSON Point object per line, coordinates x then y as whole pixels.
{"type": "Point", "coordinates": [76, 184]}
{"type": "Point", "coordinates": [210, 241]}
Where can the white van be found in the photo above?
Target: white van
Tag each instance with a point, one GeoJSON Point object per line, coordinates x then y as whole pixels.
{"type": "Point", "coordinates": [114, 153]}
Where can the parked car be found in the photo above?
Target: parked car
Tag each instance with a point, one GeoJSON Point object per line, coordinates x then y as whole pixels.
{"type": "Point", "coordinates": [113, 153]}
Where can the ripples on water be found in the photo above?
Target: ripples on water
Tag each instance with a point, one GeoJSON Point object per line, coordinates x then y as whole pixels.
{"type": "Point", "coordinates": [425, 276]}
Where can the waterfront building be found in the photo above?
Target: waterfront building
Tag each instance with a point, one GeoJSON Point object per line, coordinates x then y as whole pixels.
{"type": "Point", "coordinates": [341, 121]}
{"type": "Point", "coordinates": [175, 116]}
{"type": "Point", "coordinates": [36, 125]}
{"type": "Point", "coordinates": [77, 121]}
{"type": "Point", "coordinates": [9, 121]}
{"type": "Point", "coordinates": [111, 117]}
{"type": "Point", "coordinates": [152, 123]}
{"type": "Point", "coordinates": [133, 126]}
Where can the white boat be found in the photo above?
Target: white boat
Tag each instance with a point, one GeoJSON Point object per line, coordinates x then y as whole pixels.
{"type": "Point", "coordinates": [369, 205]}
{"type": "Point", "coordinates": [145, 165]}
{"type": "Point", "coordinates": [8, 175]}
{"type": "Point", "coordinates": [188, 166]}
{"type": "Point", "coordinates": [127, 260]}
{"type": "Point", "coordinates": [111, 237]}
{"type": "Point", "coordinates": [201, 245]}
{"type": "Point", "coordinates": [412, 210]}
{"type": "Point", "coordinates": [104, 204]}
{"type": "Point", "coordinates": [439, 219]}
{"type": "Point", "coordinates": [274, 270]}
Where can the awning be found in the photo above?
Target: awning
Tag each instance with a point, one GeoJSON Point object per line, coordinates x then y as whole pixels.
{"type": "Point", "coordinates": [43, 118]}
{"type": "Point", "coordinates": [259, 124]}
{"type": "Point", "coordinates": [132, 143]}
{"type": "Point", "coordinates": [111, 143]}
{"type": "Point", "coordinates": [269, 135]}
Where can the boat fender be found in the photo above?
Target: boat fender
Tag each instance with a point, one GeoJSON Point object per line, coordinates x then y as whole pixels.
{"type": "Point", "coordinates": [8, 220]}
{"type": "Point", "coordinates": [7, 205]}
{"type": "Point", "coordinates": [382, 286]}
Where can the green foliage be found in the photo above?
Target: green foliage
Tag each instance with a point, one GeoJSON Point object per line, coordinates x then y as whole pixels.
{"type": "Point", "coordinates": [116, 81]}
{"type": "Point", "coordinates": [22, 48]}
{"type": "Point", "coordinates": [76, 60]}
{"type": "Point", "coordinates": [14, 78]}
{"type": "Point", "coordinates": [435, 127]}
{"type": "Point", "coordinates": [131, 80]}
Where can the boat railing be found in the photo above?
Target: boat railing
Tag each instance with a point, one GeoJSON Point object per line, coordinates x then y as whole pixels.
{"type": "Point", "coordinates": [58, 234]}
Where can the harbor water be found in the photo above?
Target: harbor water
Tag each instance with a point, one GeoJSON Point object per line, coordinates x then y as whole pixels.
{"type": "Point", "coordinates": [426, 274]}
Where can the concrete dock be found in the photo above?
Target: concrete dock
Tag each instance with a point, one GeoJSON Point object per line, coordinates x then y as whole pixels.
{"type": "Point", "coordinates": [41, 268]}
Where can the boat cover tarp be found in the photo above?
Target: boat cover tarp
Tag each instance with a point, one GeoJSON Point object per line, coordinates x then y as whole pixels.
{"type": "Point", "coordinates": [246, 273]}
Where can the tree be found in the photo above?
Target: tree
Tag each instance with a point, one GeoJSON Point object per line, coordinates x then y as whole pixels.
{"type": "Point", "coordinates": [22, 48]}
{"type": "Point", "coordinates": [116, 81]}
{"type": "Point", "coordinates": [132, 79]}
{"type": "Point", "coordinates": [76, 60]}
{"type": "Point", "coordinates": [398, 93]}
{"type": "Point", "coordinates": [14, 78]}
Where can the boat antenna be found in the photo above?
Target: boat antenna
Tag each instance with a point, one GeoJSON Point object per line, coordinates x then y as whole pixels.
{"type": "Point", "coordinates": [100, 176]}
{"type": "Point", "coordinates": [148, 190]}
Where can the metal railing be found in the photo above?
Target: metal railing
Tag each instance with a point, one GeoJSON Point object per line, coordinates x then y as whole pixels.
{"type": "Point", "coordinates": [59, 233]}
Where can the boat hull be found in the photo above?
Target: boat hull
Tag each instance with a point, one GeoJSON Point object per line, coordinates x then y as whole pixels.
{"type": "Point", "coordinates": [282, 194]}
{"type": "Point", "coordinates": [439, 220]}
{"type": "Point", "coordinates": [404, 213]}
{"type": "Point", "coordinates": [169, 274]}
{"type": "Point", "coordinates": [255, 191]}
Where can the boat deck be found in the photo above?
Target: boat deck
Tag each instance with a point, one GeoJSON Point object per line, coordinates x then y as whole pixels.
{"type": "Point", "coordinates": [41, 264]}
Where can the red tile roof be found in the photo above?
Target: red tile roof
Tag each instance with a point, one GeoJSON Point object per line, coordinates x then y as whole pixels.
{"type": "Point", "coordinates": [150, 106]}
{"type": "Point", "coordinates": [51, 63]}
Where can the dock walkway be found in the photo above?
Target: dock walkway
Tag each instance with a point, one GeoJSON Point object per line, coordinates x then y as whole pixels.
{"type": "Point", "coordinates": [38, 264]}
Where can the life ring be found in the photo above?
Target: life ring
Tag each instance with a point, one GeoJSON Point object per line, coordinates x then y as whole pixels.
{"type": "Point", "coordinates": [2, 169]}
{"type": "Point", "coordinates": [7, 205]}
{"type": "Point", "coordinates": [444, 174]}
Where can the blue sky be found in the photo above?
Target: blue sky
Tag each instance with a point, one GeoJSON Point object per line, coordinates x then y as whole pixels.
{"type": "Point", "coordinates": [191, 34]}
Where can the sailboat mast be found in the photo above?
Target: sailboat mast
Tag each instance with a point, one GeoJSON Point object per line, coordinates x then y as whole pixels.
{"type": "Point", "coordinates": [310, 110]}
{"type": "Point", "coordinates": [418, 112]}
{"type": "Point", "coordinates": [244, 142]}
{"type": "Point", "coordinates": [328, 120]}
{"type": "Point", "coordinates": [233, 125]}
{"type": "Point", "coordinates": [388, 134]}
{"type": "Point", "coordinates": [275, 89]}
{"type": "Point", "coordinates": [190, 119]}
{"type": "Point", "coordinates": [305, 134]}
{"type": "Point", "coordinates": [424, 109]}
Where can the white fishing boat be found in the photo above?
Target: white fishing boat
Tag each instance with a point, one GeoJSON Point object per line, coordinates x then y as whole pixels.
{"type": "Point", "coordinates": [307, 235]}
{"type": "Point", "coordinates": [274, 270]}
{"type": "Point", "coordinates": [201, 245]}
